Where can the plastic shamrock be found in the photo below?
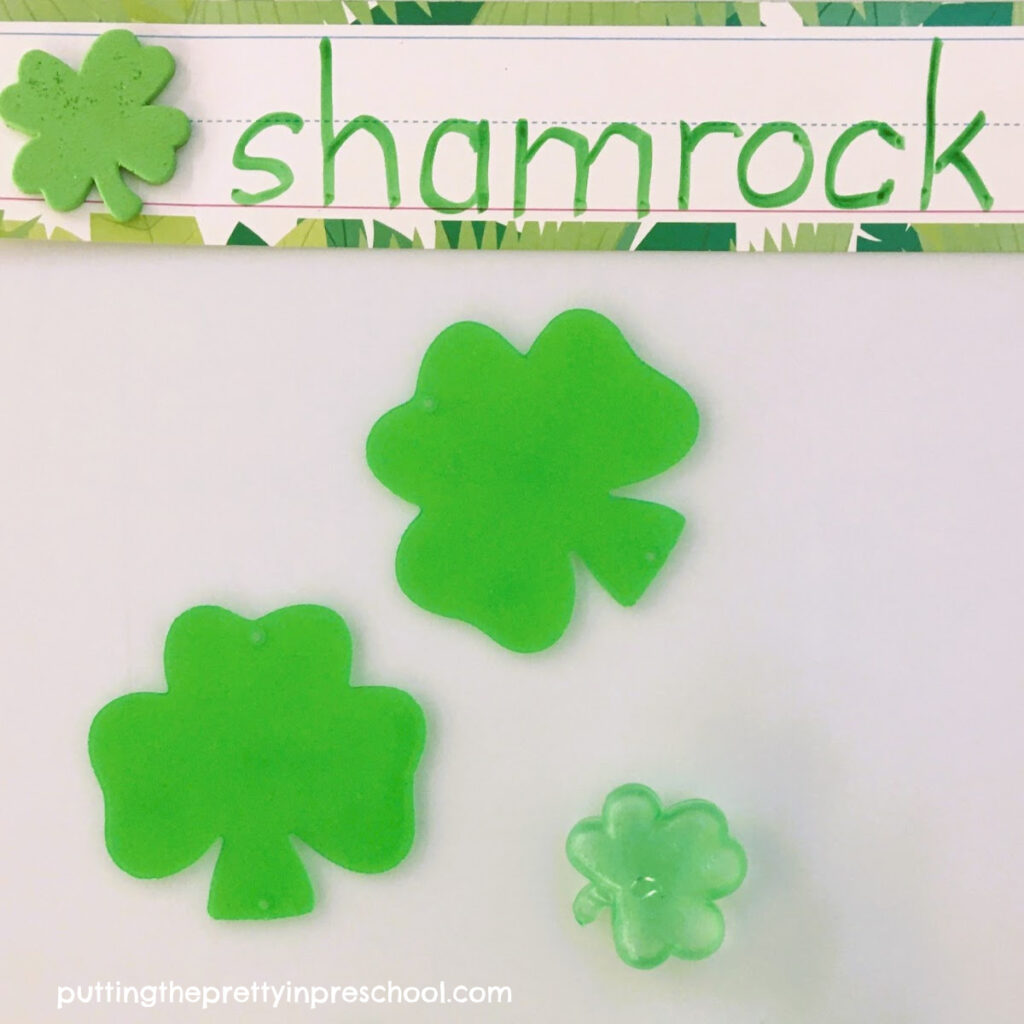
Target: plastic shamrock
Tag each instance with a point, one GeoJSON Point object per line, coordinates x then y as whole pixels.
{"type": "Point", "coordinates": [258, 738]}
{"type": "Point", "coordinates": [514, 459]}
{"type": "Point", "coordinates": [660, 871]}
{"type": "Point", "coordinates": [88, 125]}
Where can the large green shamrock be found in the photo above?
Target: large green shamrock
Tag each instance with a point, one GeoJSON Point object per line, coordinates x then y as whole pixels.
{"type": "Point", "coordinates": [88, 125]}
{"type": "Point", "coordinates": [513, 460]}
{"type": "Point", "coordinates": [258, 738]}
{"type": "Point", "coordinates": [660, 871]}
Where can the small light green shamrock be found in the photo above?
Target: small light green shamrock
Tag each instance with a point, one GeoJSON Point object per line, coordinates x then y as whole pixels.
{"type": "Point", "coordinates": [515, 461]}
{"type": "Point", "coordinates": [660, 871]}
{"type": "Point", "coordinates": [87, 126]}
{"type": "Point", "coordinates": [258, 738]}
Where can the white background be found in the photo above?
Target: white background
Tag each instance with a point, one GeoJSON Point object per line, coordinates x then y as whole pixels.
{"type": "Point", "coordinates": [833, 653]}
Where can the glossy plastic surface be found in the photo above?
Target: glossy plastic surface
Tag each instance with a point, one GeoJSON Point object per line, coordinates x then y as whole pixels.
{"type": "Point", "coordinates": [659, 871]}
{"type": "Point", "coordinates": [514, 461]}
{"type": "Point", "coordinates": [258, 738]}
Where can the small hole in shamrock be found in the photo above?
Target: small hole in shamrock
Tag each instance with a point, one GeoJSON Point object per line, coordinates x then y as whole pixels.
{"type": "Point", "coordinates": [645, 887]}
{"type": "Point", "coordinates": [429, 404]}
{"type": "Point", "coordinates": [257, 637]}
{"type": "Point", "coordinates": [264, 904]}
{"type": "Point", "coordinates": [651, 557]}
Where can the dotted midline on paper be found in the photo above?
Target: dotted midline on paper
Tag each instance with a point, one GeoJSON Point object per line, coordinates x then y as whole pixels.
{"type": "Point", "coordinates": [746, 124]}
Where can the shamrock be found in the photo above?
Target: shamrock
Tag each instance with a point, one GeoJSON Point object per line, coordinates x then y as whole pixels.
{"type": "Point", "coordinates": [660, 871]}
{"type": "Point", "coordinates": [513, 460]}
{"type": "Point", "coordinates": [88, 125]}
{"type": "Point", "coordinates": [259, 737]}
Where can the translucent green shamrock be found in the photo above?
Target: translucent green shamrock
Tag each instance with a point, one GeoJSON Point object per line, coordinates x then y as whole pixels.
{"type": "Point", "coordinates": [660, 871]}
{"type": "Point", "coordinates": [87, 126]}
{"type": "Point", "coordinates": [514, 461]}
{"type": "Point", "coordinates": [259, 737]}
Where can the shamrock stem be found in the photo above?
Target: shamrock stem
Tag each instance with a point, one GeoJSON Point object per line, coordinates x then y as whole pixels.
{"type": "Point", "coordinates": [626, 544]}
{"type": "Point", "coordinates": [257, 879]}
{"type": "Point", "coordinates": [588, 904]}
{"type": "Point", "coordinates": [121, 201]}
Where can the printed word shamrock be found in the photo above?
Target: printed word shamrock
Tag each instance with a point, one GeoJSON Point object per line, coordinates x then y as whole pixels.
{"type": "Point", "coordinates": [258, 738]}
{"type": "Point", "coordinates": [88, 125]}
{"type": "Point", "coordinates": [513, 460]}
{"type": "Point", "coordinates": [660, 871]}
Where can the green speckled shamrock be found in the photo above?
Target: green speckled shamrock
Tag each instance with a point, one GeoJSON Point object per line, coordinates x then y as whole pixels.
{"type": "Point", "coordinates": [515, 461]}
{"type": "Point", "coordinates": [660, 871]}
{"type": "Point", "coordinates": [258, 738]}
{"type": "Point", "coordinates": [87, 126]}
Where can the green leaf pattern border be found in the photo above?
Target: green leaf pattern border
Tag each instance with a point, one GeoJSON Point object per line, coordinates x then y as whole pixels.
{"type": "Point", "coordinates": [674, 236]}
{"type": "Point", "coordinates": [512, 12]}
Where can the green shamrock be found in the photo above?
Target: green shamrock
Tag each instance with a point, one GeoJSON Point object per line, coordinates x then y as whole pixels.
{"type": "Point", "coordinates": [514, 459]}
{"type": "Point", "coordinates": [259, 737]}
{"type": "Point", "coordinates": [88, 125]}
{"type": "Point", "coordinates": [660, 871]}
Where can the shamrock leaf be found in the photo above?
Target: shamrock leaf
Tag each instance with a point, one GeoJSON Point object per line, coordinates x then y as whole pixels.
{"type": "Point", "coordinates": [660, 871]}
{"type": "Point", "coordinates": [513, 459]}
{"type": "Point", "coordinates": [88, 125]}
{"type": "Point", "coordinates": [258, 738]}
